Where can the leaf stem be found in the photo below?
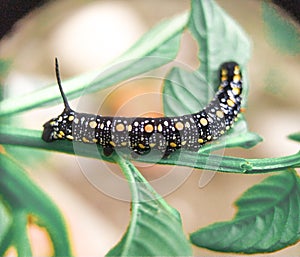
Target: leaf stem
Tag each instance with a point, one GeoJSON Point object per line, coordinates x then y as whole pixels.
{"type": "Point", "coordinates": [272, 164]}
{"type": "Point", "coordinates": [32, 138]}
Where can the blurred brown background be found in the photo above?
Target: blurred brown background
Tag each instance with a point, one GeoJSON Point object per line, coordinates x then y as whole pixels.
{"type": "Point", "coordinates": [86, 35]}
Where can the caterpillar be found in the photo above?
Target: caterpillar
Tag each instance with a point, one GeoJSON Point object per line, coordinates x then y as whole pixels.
{"type": "Point", "coordinates": [143, 134]}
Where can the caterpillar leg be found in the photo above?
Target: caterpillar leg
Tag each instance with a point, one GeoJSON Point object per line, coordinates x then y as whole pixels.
{"type": "Point", "coordinates": [166, 154]}
{"type": "Point", "coordinates": [107, 151]}
{"type": "Point", "coordinates": [168, 151]}
{"type": "Point", "coordinates": [140, 149]}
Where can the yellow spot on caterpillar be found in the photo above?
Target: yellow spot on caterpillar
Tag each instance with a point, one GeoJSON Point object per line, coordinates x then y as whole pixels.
{"type": "Point", "coordinates": [203, 121]}
{"type": "Point", "coordinates": [236, 91]}
{"type": "Point", "coordinates": [61, 133]}
{"type": "Point", "coordinates": [220, 114]}
{"type": "Point", "coordinates": [224, 72]}
{"type": "Point", "coordinates": [179, 125]}
{"type": "Point", "coordinates": [149, 128]}
{"type": "Point", "coordinates": [71, 117]}
{"type": "Point", "coordinates": [120, 127]}
{"type": "Point", "coordinates": [236, 70]}
{"type": "Point", "coordinates": [129, 128]}
{"type": "Point", "coordinates": [208, 137]}
{"type": "Point", "coordinates": [141, 146]}
{"type": "Point", "coordinates": [227, 127]}
{"type": "Point", "coordinates": [52, 123]}
{"type": "Point", "coordinates": [172, 144]}
{"type": "Point", "coordinates": [230, 103]}
{"type": "Point", "coordinates": [222, 132]}
{"type": "Point", "coordinates": [85, 140]}
{"type": "Point", "coordinates": [95, 140]}
{"type": "Point", "coordinates": [152, 145]}
{"type": "Point", "coordinates": [183, 143]}
{"type": "Point", "coordinates": [112, 143]}
{"type": "Point", "coordinates": [236, 78]}
{"type": "Point", "coordinates": [223, 78]}
{"type": "Point", "coordinates": [159, 128]}
{"type": "Point", "coordinates": [69, 137]}
{"type": "Point", "coordinates": [200, 141]}
{"type": "Point", "coordinates": [123, 143]}
{"type": "Point", "coordinates": [93, 124]}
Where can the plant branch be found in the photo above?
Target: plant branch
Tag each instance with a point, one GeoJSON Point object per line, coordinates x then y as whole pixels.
{"type": "Point", "coordinates": [32, 138]}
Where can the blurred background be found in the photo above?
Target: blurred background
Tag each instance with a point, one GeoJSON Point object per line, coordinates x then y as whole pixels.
{"type": "Point", "coordinates": [86, 35]}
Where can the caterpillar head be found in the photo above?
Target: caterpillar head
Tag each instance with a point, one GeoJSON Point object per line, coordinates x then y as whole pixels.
{"type": "Point", "coordinates": [61, 126]}
{"type": "Point", "coordinates": [229, 70]}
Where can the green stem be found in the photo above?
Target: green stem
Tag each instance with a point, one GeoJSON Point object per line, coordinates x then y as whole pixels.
{"type": "Point", "coordinates": [272, 164]}
{"type": "Point", "coordinates": [32, 138]}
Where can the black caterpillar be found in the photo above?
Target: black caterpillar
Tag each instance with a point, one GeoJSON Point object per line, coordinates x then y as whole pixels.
{"type": "Point", "coordinates": [165, 134]}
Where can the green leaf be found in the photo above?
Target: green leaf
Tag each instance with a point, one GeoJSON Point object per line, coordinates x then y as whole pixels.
{"type": "Point", "coordinates": [188, 92]}
{"type": "Point", "coordinates": [156, 48]}
{"type": "Point", "coordinates": [5, 222]}
{"type": "Point", "coordinates": [4, 218]}
{"type": "Point", "coordinates": [17, 235]}
{"type": "Point", "coordinates": [25, 199]}
{"type": "Point", "coordinates": [155, 227]}
{"type": "Point", "coordinates": [295, 136]}
{"type": "Point", "coordinates": [268, 219]}
{"type": "Point", "coordinates": [219, 37]}
{"type": "Point", "coordinates": [184, 92]}
{"type": "Point", "coordinates": [281, 33]}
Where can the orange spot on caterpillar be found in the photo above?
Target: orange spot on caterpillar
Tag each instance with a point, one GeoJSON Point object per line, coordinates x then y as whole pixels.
{"type": "Point", "coordinates": [149, 128]}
